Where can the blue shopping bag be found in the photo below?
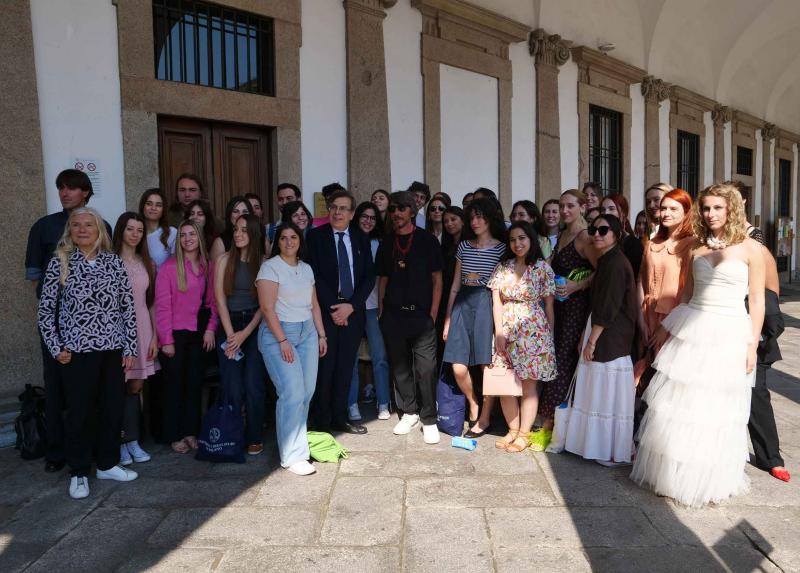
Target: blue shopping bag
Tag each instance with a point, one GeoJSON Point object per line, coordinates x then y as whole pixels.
{"type": "Point", "coordinates": [221, 438]}
{"type": "Point", "coordinates": [450, 403]}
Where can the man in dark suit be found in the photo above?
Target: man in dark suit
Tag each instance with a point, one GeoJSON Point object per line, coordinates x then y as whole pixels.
{"type": "Point", "coordinates": [341, 258]}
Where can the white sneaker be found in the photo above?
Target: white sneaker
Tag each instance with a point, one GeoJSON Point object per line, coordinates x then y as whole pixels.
{"type": "Point", "coordinates": [125, 458]}
{"type": "Point", "coordinates": [430, 433]}
{"type": "Point", "coordinates": [78, 487]}
{"type": "Point", "coordinates": [302, 468]}
{"type": "Point", "coordinates": [135, 450]}
{"type": "Point", "coordinates": [354, 413]}
{"type": "Point", "coordinates": [407, 423]}
{"type": "Point", "coordinates": [383, 412]}
{"type": "Point", "coordinates": [117, 473]}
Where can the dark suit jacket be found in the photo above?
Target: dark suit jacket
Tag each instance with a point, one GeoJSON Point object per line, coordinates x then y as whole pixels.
{"type": "Point", "coordinates": [325, 263]}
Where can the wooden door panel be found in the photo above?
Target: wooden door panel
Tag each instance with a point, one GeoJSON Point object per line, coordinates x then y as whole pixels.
{"type": "Point", "coordinates": [184, 147]}
{"type": "Point", "coordinates": [241, 163]}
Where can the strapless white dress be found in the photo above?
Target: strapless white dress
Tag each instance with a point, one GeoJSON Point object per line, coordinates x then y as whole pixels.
{"type": "Point", "coordinates": [693, 436]}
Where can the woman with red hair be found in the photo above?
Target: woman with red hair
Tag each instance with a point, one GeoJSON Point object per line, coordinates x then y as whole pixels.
{"type": "Point", "coordinates": [617, 205]}
{"type": "Point", "coordinates": [663, 273]}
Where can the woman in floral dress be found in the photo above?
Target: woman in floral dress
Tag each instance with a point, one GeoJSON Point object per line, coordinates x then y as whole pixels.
{"type": "Point", "coordinates": [523, 327]}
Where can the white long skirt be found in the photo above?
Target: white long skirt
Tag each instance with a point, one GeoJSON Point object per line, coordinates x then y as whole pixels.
{"type": "Point", "coordinates": [693, 436]}
{"type": "Point", "coordinates": [601, 423]}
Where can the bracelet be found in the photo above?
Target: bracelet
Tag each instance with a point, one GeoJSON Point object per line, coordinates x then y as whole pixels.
{"type": "Point", "coordinates": [323, 337]}
{"type": "Point", "coordinates": [281, 341]}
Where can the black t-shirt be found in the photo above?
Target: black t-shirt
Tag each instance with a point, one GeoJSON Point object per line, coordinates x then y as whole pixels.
{"type": "Point", "coordinates": [410, 281]}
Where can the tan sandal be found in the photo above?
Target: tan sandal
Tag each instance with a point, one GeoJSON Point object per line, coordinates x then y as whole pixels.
{"type": "Point", "coordinates": [180, 447]}
{"type": "Point", "coordinates": [514, 446]}
{"type": "Point", "coordinates": [506, 440]}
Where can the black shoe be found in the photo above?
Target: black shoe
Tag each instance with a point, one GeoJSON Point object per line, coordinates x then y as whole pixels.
{"type": "Point", "coordinates": [349, 428]}
{"type": "Point", "coordinates": [470, 434]}
{"type": "Point", "coordinates": [53, 467]}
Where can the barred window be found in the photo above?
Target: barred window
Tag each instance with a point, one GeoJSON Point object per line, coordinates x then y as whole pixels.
{"type": "Point", "coordinates": [688, 161]}
{"type": "Point", "coordinates": [744, 160]}
{"type": "Point", "coordinates": [207, 45]}
{"type": "Point", "coordinates": [605, 149]}
{"type": "Point", "coordinates": [784, 188]}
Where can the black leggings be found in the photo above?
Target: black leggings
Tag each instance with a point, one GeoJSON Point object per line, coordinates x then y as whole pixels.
{"type": "Point", "coordinates": [183, 382]}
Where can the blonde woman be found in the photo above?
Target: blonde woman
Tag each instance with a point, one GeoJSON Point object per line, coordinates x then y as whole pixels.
{"type": "Point", "coordinates": [184, 300]}
{"type": "Point", "coordinates": [693, 437]}
{"type": "Point", "coordinates": [88, 322]}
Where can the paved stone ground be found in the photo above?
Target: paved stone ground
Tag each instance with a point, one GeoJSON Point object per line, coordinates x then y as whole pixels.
{"type": "Point", "coordinates": [396, 504]}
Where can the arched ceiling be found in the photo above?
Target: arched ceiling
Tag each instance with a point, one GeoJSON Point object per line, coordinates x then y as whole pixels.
{"type": "Point", "coordinates": [742, 53]}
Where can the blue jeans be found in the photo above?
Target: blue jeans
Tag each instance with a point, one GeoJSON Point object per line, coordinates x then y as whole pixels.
{"type": "Point", "coordinates": [294, 384]}
{"type": "Point", "coordinates": [380, 365]}
{"type": "Point", "coordinates": [244, 380]}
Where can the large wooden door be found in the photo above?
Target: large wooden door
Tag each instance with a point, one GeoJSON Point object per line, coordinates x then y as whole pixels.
{"type": "Point", "coordinates": [231, 159]}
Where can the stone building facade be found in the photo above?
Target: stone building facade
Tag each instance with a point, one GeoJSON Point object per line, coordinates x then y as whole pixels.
{"type": "Point", "coordinates": [523, 96]}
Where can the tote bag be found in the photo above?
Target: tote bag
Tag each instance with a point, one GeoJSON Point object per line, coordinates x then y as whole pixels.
{"type": "Point", "coordinates": [450, 403]}
{"type": "Point", "coordinates": [561, 420]}
{"type": "Point", "coordinates": [221, 438]}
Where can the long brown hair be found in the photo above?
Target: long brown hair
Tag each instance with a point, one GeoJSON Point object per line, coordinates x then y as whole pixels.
{"type": "Point", "coordinates": [163, 222]}
{"type": "Point", "coordinates": [253, 259]}
{"type": "Point", "coordinates": [209, 229]}
{"type": "Point", "coordinates": [141, 249]}
{"type": "Point", "coordinates": [179, 258]}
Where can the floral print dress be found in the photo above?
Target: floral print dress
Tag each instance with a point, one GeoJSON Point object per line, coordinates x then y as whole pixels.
{"type": "Point", "coordinates": [529, 340]}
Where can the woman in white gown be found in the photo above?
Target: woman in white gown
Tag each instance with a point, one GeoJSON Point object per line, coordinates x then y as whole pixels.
{"type": "Point", "coordinates": [693, 437]}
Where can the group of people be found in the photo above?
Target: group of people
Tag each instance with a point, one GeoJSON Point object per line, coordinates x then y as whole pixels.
{"type": "Point", "coordinates": [614, 319]}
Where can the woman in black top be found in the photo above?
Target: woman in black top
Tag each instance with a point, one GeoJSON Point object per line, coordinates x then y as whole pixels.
{"type": "Point", "coordinates": [453, 223]}
{"type": "Point", "coordinates": [88, 322]}
{"type": "Point", "coordinates": [601, 424]}
{"type": "Point", "coordinates": [617, 205]}
{"type": "Point", "coordinates": [235, 208]}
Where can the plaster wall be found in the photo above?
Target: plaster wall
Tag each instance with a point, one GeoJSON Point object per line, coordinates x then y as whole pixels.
{"type": "Point", "coordinates": [323, 90]}
{"type": "Point", "coordinates": [77, 76]}
{"type": "Point", "coordinates": [568, 118]}
{"type": "Point", "coordinates": [663, 143]}
{"type": "Point", "coordinates": [401, 35]}
{"type": "Point", "coordinates": [708, 172]}
{"type": "Point", "coordinates": [469, 127]}
{"type": "Point", "coordinates": [637, 151]}
{"type": "Point", "coordinates": [523, 121]}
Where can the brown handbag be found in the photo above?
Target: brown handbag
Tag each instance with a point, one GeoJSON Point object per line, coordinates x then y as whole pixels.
{"type": "Point", "coordinates": [500, 380]}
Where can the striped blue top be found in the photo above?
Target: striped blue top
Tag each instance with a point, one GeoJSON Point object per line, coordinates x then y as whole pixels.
{"type": "Point", "coordinates": [479, 262]}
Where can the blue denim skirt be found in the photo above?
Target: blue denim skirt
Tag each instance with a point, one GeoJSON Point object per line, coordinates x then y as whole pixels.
{"type": "Point", "coordinates": [469, 339]}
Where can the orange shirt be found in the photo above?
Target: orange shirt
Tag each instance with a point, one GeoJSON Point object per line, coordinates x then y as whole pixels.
{"type": "Point", "coordinates": [662, 275]}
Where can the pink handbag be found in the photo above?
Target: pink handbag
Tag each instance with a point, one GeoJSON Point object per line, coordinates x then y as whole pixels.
{"type": "Point", "coordinates": [500, 380]}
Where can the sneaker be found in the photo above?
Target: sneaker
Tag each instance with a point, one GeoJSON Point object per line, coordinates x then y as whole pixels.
{"type": "Point", "coordinates": [301, 468]}
{"type": "Point", "coordinates": [612, 464]}
{"type": "Point", "coordinates": [383, 412]}
{"type": "Point", "coordinates": [255, 449]}
{"type": "Point", "coordinates": [117, 473]}
{"type": "Point", "coordinates": [407, 423]}
{"type": "Point", "coordinates": [540, 440]}
{"type": "Point", "coordinates": [354, 414]}
{"type": "Point", "coordinates": [430, 433]}
{"type": "Point", "coordinates": [78, 487]}
{"type": "Point", "coordinates": [135, 450]}
{"type": "Point", "coordinates": [125, 458]}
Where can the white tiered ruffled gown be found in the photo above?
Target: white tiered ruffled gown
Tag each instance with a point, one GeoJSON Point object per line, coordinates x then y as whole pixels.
{"type": "Point", "coordinates": [693, 437]}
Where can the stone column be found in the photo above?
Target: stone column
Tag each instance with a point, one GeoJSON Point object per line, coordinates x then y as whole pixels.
{"type": "Point", "coordinates": [768, 133]}
{"type": "Point", "coordinates": [368, 162]}
{"type": "Point", "coordinates": [549, 52]}
{"type": "Point", "coordinates": [720, 115]}
{"type": "Point", "coordinates": [654, 91]}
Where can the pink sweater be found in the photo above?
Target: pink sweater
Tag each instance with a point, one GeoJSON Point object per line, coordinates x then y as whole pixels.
{"type": "Point", "coordinates": [177, 310]}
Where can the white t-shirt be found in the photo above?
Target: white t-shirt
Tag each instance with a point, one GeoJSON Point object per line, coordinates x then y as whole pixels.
{"type": "Point", "coordinates": [295, 285]}
{"type": "Point", "coordinates": [157, 251]}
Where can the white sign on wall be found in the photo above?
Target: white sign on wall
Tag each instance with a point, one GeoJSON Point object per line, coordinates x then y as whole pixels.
{"type": "Point", "coordinates": [92, 168]}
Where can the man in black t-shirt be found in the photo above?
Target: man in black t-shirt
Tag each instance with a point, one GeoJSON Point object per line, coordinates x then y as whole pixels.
{"type": "Point", "coordinates": [409, 264]}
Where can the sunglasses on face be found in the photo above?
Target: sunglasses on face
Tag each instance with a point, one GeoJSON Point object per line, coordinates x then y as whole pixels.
{"type": "Point", "coordinates": [602, 230]}
{"type": "Point", "coordinates": [393, 208]}
{"type": "Point", "coordinates": [437, 209]}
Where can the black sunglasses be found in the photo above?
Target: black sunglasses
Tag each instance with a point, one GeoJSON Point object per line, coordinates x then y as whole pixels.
{"type": "Point", "coordinates": [393, 208]}
{"type": "Point", "coordinates": [602, 230]}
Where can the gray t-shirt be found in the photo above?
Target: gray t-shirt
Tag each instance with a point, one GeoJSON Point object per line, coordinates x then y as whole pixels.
{"type": "Point", "coordinates": [295, 287]}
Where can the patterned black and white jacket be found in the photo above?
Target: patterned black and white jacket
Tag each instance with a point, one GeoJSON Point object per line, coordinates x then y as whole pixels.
{"type": "Point", "coordinates": [95, 311]}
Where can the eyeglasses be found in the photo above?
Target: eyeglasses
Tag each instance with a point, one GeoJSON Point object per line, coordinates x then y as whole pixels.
{"type": "Point", "coordinates": [437, 208]}
{"type": "Point", "coordinates": [393, 208]}
{"type": "Point", "coordinates": [602, 230]}
{"type": "Point", "coordinates": [338, 209]}
{"type": "Point", "coordinates": [366, 217]}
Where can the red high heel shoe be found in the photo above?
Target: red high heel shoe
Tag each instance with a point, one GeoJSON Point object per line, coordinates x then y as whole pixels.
{"type": "Point", "coordinates": [781, 474]}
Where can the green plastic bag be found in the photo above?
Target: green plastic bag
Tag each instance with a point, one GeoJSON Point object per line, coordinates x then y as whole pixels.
{"type": "Point", "coordinates": [324, 447]}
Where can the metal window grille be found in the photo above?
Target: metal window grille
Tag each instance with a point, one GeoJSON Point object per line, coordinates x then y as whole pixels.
{"type": "Point", "coordinates": [204, 44]}
{"type": "Point", "coordinates": [605, 149]}
{"type": "Point", "coordinates": [784, 188]}
{"type": "Point", "coordinates": [744, 160]}
{"type": "Point", "coordinates": [688, 161]}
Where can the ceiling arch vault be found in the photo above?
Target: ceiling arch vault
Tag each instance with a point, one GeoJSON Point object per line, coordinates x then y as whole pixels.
{"type": "Point", "coordinates": [744, 54]}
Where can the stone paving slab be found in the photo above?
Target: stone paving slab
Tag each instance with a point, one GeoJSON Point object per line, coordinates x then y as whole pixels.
{"type": "Point", "coordinates": [188, 560]}
{"type": "Point", "coordinates": [302, 559]}
{"type": "Point", "coordinates": [479, 491]}
{"type": "Point", "coordinates": [364, 511]}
